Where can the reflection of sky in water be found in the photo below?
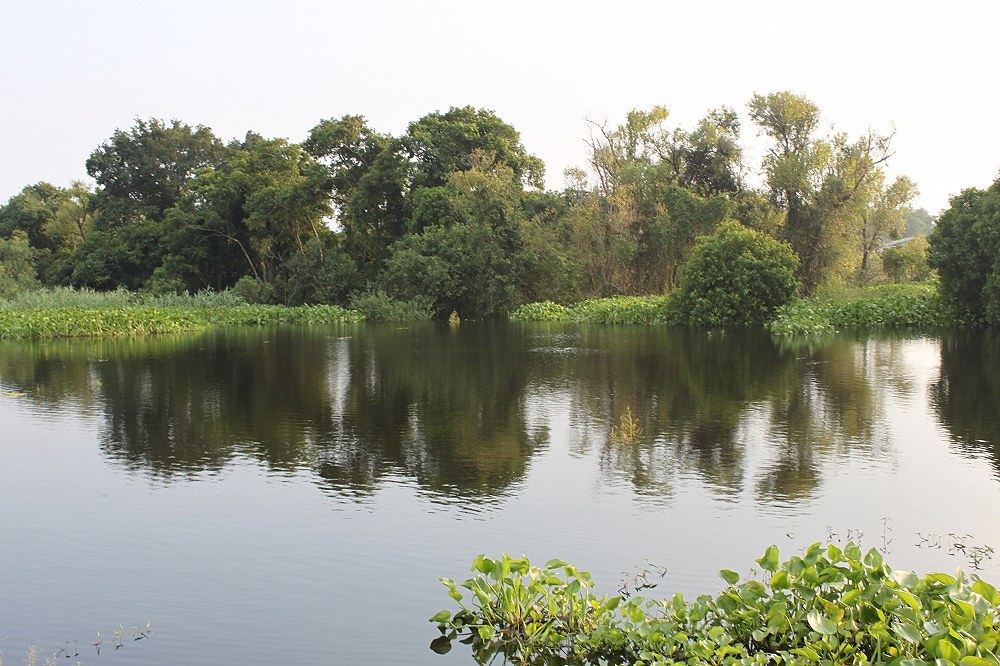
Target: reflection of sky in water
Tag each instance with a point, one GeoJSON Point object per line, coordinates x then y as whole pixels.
{"type": "Point", "coordinates": [321, 510]}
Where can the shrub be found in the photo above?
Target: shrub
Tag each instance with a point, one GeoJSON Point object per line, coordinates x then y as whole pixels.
{"type": "Point", "coordinates": [254, 290]}
{"type": "Point", "coordinates": [737, 277]}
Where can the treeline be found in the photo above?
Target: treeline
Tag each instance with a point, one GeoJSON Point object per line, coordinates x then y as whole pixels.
{"type": "Point", "coordinates": [452, 214]}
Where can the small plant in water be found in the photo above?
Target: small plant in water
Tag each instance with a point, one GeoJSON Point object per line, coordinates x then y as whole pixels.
{"type": "Point", "coordinates": [628, 430]}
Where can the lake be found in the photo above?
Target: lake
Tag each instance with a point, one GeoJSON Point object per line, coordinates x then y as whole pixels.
{"type": "Point", "coordinates": [292, 495]}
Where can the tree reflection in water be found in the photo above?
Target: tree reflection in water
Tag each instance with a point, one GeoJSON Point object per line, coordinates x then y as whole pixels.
{"type": "Point", "coordinates": [449, 408]}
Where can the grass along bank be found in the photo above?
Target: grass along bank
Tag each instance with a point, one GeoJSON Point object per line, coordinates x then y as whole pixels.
{"type": "Point", "coordinates": [613, 310]}
{"type": "Point", "coordinates": [64, 313]}
{"type": "Point", "coordinates": [892, 306]}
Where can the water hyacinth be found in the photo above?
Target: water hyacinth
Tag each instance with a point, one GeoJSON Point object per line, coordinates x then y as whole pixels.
{"type": "Point", "coordinates": [826, 606]}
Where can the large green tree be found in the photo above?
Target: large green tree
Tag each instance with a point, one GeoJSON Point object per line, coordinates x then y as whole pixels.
{"type": "Point", "coordinates": [965, 250]}
{"type": "Point", "coordinates": [823, 184]}
{"type": "Point", "coordinates": [143, 172]}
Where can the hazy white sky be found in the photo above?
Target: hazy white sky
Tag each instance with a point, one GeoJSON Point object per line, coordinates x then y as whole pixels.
{"type": "Point", "coordinates": [72, 72]}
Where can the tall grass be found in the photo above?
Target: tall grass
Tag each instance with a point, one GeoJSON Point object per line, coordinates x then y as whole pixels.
{"type": "Point", "coordinates": [68, 297]}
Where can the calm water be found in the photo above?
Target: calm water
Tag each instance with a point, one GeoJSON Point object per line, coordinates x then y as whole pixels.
{"type": "Point", "coordinates": [292, 495]}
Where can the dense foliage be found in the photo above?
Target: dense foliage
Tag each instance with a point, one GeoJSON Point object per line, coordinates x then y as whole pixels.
{"type": "Point", "coordinates": [450, 214]}
{"type": "Point", "coordinates": [736, 277]}
{"type": "Point", "coordinates": [826, 606]}
{"type": "Point", "coordinates": [965, 251]}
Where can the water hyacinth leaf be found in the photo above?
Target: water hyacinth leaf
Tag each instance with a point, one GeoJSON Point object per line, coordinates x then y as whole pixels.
{"type": "Point", "coordinates": [441, 616]}
{"type": "Point", "coordinates": [769, 562]}
{"type": "Point", "coordinates": [973, 660]}
{"type": "Point", "coordinates": [942, 578]}
{"type": "Point", "coordinates": [945, 650]}
{"type": "Point", "coordinates": [780, 580]}
{"type": "Point", "coordinates": [907, 631]}
{"type": "Point", "coordinates": [729, 576]}
{"type": "Point", "coordinates": [987, 591]}
{"type": "Point", "coordinates": [909, 599]}
{"type": "Point", "coordinates": [482, 564]}
{"type": "Point", "coordinates": [907, 579]}
{"type": "Point", "coordinates": [821, 624]}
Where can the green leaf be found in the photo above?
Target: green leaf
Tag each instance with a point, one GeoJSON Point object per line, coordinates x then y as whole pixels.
{"type": "Point", "coordinates": [909, 599]}
{"type": "Point", "coordinates": [769, 562]}
{"type": "Point", "coordinates": [729, 576]}
{"type": "Point", "coordinates": [988, 592]}
{"type": "Point", "coordinates": [779, 581]}
{"type": "Point", "coordinates": [972, 660]}
{"type": "Point", "coordinates": [820, 623]}
{"type": "Point", "coordinates": [907, 631]}
{"type": "Point", "coordinates": [441, 616]}
{"type": "Point", "coordinates": [946, 650]}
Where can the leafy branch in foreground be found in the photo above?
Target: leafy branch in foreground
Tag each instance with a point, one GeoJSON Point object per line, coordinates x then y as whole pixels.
{"type": "Point", "coordinates": [826, 606]}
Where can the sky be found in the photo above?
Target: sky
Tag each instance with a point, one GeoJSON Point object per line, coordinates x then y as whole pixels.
{"type": "Point", "coordinates": [73, 72]}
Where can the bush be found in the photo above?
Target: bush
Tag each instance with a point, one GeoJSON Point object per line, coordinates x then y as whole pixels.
{"type": "Point", "coordinates": [827, 606]}
{"type": "Point", "coordinates": [736, 277]}
{"type": "Point", "coordinates": [254, 290]}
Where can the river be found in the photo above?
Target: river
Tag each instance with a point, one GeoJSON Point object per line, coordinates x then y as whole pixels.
{"type": "Point", "coordinates": [292, 495]}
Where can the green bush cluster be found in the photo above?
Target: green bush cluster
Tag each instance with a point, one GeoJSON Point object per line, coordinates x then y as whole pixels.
{"type": "Point", "coordinates": [736, 277]}
{"type": "Point", "coordinates": [880, 307]}
{"type": "Point", "coordinates": [826, 606]}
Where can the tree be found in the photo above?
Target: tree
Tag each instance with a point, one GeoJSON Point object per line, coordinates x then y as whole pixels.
{"type": "Point", "coordinates": [737, 276]}
{"type": "Point", "coordinates": [822, 184]}
{"type": "Point", "coordinates": [251, 213]}
{"type": "Point", "coordinates": [885, 216]}
{"type": "Point", "coordinates": [442, 143]}
{"type": "Point", "coordinates": [907, 262]}
{"type": "Point", "coordinates": [657, 189]}
{"type": "Point", "coordinates": [17, 265]}
{"type": "Point", "coordinates": [143, 173]}
{"type": "Point", "coordinates": [965, 251]}
{"type": "Point", "coordinates": [30, 211]}
{"type": "Point", "coordinates": [472, 257]}
{"type": "Point", "coordinates": [918, 222]}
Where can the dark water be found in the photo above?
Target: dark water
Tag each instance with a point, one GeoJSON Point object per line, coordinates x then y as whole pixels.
{"type": "Point", "coordinates": [292, 495]}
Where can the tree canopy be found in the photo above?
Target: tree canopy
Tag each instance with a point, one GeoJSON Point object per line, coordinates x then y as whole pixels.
{"type": "Point", "coordinates": [451, 212]}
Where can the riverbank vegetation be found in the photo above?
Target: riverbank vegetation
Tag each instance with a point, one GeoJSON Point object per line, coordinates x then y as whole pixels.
{"type": "Point", "coordinates": [826, 606]}
{"type": "Point", "coordinates": [451, 216]}
{"type": "Point", "coordinates": [62, 313]}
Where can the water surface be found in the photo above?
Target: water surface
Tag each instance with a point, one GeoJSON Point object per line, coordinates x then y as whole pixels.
{"type": "Point", "coordinates": [291, 495]}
